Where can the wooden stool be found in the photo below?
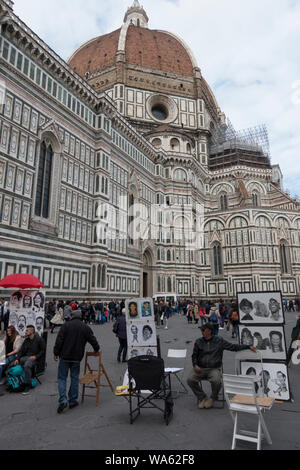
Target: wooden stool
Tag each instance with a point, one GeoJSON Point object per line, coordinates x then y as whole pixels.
{"type": "Point", "coordinates": [93, 376]}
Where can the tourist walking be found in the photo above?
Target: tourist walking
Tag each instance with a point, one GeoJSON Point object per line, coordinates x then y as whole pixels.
{"type": "Point", "coordinates": [58, 318]}
{"type": "Point", "coordinates": [121, 334]}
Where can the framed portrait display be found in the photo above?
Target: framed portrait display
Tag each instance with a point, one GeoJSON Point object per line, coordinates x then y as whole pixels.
{"type": "Point", "coordinates": [141, 334]}
{"type": "Point", "coordinates": [27, 307]}
{"type": "Point", "coordinates": [146, 308]}
{"type": "Point", "coordinates": [268, 339]}
{"type": "Point", "coordinates": [274, 378]}
{"type": "Point", "coordinates": [132, 310]}
{"type": "Point", "coordinates": [261, 308]}
{"type": "Point", "coordinates": [148, 351]}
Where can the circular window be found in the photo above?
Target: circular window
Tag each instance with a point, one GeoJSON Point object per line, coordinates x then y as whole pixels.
{"type": "Point", "coordinates": [160, 112]}
{"type": "Point", "coordinates": [161, 108]}
{"type": "Point", "coordinates": [156, 143]}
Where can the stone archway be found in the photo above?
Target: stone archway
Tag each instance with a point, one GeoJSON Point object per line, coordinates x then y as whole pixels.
{"type": "Point", "coordinates": [147, 279]}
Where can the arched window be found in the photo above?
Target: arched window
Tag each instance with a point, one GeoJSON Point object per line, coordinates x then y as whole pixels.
{"type": "Point", "coordinates": [255, 199]}
{"type": "Point", "coordinates": [42, 199]}
{"type": "Point", "coordinates": [180, 175]}
{"type": "Point", "coordinates": [158, 254]}
{"type": "Point", "coordinates": [97, 183]}
{"type": "Point", "coordinates": [217, 260]}
{"type": "Point", "coordinates": [131, 219]}
{"type": "Point", "coordinates": [175, 146]}
{"type": "Point", "coordinates": [158, 284]}
{"type": "Point", "coordinates": [168, 255]}
{"type": "Point", "coordinates": [223, 202]}
{"type": "Point", "coordinates": [188, 148]}
{"type": "Point", "coordinates": [94, 276]}
{"type": "Point", "coordinates": [169, 284]}
{"type": "Point", "coordinates": [284, 257]}
{"type": "Point", "coordinates": [103, 279]}
{"type": "Point", "coordinates": [156, 142]}
{"type": "Point", "coordinates": [95, 235]}
{"type": "Point", "coordinates": [99, 275]}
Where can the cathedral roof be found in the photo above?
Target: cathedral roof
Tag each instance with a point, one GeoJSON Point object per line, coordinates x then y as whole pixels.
{"type": "Point", "coordinates": [143, 47]}
{"type": "Point", "coordinates": [152, 49]}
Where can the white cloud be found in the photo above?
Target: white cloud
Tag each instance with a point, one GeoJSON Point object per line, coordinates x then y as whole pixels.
{"type": "Point", "coordinates": [248, 52]}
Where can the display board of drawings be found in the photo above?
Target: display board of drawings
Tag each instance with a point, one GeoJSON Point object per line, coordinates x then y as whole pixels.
{"type": "Point", "coordinates": [141, 329]}
{"type": "Point", "coordinates": [262, 325]}
{"type": "Point", "coordinates": [27, 307]}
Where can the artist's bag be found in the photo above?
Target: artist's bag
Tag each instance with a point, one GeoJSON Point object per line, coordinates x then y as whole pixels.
{"type": "Point", "coordinates": [15, 379]}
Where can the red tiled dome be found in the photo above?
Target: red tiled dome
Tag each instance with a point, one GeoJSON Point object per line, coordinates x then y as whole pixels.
{"type": "Point", "coordinates": [151, 49]}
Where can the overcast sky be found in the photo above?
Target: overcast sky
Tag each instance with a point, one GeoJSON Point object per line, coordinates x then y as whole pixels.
{"type": "Point", "coordinates": [247, 50]}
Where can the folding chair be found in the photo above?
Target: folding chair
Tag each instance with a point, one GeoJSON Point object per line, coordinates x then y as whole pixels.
{"type": "Point", "coordinates": [93, 376]}
{"type": "Point", "coordinates": [253, 356]}
{"type": "Point", "coordinates": [178, 354]}
{"type": "Point", "coordinates": [147, 382]}
{"type": "Point", "coordinates": [240, 397]}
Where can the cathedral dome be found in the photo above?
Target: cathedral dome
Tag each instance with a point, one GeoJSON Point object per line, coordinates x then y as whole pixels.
{"type": "Point", "coordinates": [150, 49]}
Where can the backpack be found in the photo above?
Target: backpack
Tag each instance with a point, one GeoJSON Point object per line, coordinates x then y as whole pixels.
{"type": "Point", "coordinates": [115, 327]}
{"type": "Point", "coordinates": [214, 318]}
{"type": "Point", "coordinates": [16, 379]}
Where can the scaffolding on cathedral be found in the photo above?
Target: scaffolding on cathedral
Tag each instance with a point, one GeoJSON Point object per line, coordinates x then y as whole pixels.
{"type": "Point", "coordinates": [255, 138]}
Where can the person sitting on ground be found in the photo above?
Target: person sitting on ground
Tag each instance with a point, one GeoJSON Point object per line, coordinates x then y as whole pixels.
{"type": "Point", "coordinates": [31, 352]}
{"type": "Point", "coordinates": [13, 343]}
{"type": "Point", "coordinates": [207, 363]}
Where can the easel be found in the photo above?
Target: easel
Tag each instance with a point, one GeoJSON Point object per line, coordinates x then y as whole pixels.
{"type": "Point", "coordinates": [93, 376]}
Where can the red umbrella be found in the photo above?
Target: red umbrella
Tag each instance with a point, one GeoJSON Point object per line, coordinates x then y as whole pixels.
{"type": "Point", "coordinates": [21, 281]}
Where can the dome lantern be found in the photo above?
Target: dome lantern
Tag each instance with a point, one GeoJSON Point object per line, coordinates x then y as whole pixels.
{"type": "Point", "coordinates": [136, 15]}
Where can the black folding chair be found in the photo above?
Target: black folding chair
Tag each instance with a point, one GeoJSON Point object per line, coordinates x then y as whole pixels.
{"type": "Point", "coordinates": [148, 382]}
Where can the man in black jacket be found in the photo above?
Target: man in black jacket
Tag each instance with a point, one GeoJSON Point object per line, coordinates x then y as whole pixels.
{"type": "Point", "coordinates": [69, 347]}
{"type": "Point", "coordinates": [207, 362]}
{"type": "Point", "coordinates": [32, 351]}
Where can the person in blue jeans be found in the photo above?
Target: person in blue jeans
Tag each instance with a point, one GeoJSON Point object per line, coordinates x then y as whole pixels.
{"type": "Point", "coordinates": [69, 348]}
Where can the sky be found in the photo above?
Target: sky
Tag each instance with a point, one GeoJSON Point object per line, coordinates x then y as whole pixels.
{"type": "Point", "coordinates": [248, 51]}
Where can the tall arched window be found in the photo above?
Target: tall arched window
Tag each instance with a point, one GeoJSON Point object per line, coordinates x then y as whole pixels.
{"type": "Point", "coordinates": [94, 276]}
{"type": "Point", "coordinates": [99, 275]}
{"type": "Point", "coordinates": [169, 284]}
{"type": "Point", "coordinates": [42, 198]}
{"type": "Point", "coordinates": [168, 255]}
{"type": "Point", "coordinates": [131, 219]}
{"type": "Point", "coordinates": [223, 202]}
{"type": "Point", "coordinates": [217, 259]}
{"type": "Point", "coordinates": [284, 257]}
{"type": "Point", "coordinates": [103, 278]}
{"type": "Point", "coordinates": [255, 199]}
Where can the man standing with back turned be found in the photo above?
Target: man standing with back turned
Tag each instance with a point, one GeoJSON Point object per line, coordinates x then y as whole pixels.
{"type": "Point", "coordinates": [69, 347]}
{"type": "Point", "coordinates": [207, 364]}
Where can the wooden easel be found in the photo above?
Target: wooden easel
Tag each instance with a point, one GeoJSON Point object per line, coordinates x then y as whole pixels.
{"type": "Point", "coordinates": [93, 376]}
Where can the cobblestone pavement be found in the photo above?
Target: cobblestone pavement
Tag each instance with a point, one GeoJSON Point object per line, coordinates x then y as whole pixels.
{"type": "Point", "coordinates": [32, 422]}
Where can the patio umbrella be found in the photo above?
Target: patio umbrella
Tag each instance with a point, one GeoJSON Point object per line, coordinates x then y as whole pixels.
{"type": "Point", "coordinates": [21, 281]}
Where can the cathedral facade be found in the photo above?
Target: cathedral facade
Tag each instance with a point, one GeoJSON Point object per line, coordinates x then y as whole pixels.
{"type": "Point", "coordinates": [121, 177]}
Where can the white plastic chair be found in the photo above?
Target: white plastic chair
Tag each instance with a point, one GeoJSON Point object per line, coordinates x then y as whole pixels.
{"type": "Point", "coordinates": [253, 356]}
{"type": "Point", "coordinates": [240, 397]}
{"type": "Point", "coordinates": [177, 354]}
{"type": "Point", "coordinates": [2, 353]}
